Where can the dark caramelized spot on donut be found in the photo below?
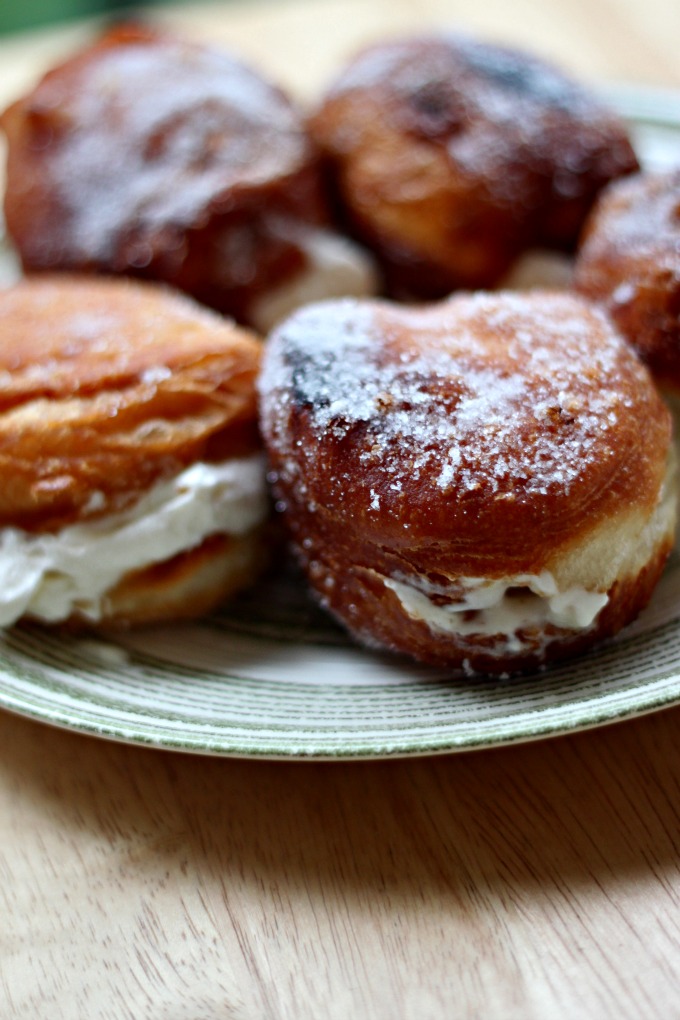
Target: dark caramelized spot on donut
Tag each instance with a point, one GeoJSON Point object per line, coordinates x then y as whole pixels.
{"type": "Point", "coordinates": [302, 365]}
{"type": "Point", "coordinates": [559, 416]}
{"type": "Point", "coordinates": [519, 74]}
{"type": "Point", "coordinates": [674, 304]}
{"type": "Point", "coordinates": [43, 126]}
{"type": "Point", "coordinates": [435, 110]}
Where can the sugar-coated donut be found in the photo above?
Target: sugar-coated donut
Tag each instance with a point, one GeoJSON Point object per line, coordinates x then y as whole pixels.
{"type": "Point", "coordinates": [132, 479]}
{"type": "Point", "coordinates": [450, 157]}
{"type": "Point", "coordinates": [485, 483]}
{"type": "Point", "coordinates": [629, 260]}
{"type": "Point", "coordinates": [152, 156]}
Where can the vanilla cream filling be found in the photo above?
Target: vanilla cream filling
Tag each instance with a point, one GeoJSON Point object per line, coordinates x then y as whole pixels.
{"type": "Point", "coordinates": [335, 268]}
{"type": "Point", "coordinates": [50, 576]}
{"type": "Point", "coordinates": [488, 607]}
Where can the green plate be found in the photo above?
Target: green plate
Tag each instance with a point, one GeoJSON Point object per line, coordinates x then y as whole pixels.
{"type": "Point", "coordinates": [272, 677]}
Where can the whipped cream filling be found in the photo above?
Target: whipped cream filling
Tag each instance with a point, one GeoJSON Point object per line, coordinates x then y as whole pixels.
{"type": "Point", "coordinates": [503, 607]}
{"type": "Point", "coordinates": [52, 575]}
{"type": "Point", "coordinates": [539, 267]}
{"type": "Point", "coordinates": [336, 267]}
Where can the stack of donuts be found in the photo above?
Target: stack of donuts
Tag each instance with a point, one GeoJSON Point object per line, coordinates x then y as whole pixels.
{"type": "Point", "coordinates": [470, 471]}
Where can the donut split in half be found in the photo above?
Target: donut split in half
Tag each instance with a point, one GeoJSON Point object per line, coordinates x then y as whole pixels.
{"type": "Point", "coordinates": [485, 483]}
{"type": "Point", "coordinates": [133, 482]}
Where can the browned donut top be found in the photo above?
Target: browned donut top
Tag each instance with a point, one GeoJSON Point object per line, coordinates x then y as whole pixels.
{"type": "Point", "coordinates": [630, 260]}
{"type": "Point", "coordinates": [487, 431]}
{"type": "Point", "coordinates": [488, 106]}
{"type": "Point", "coordinates": [487, 145]}
{"type": "Point", "coordinates": [136, 138]}
{"type": "Point", "coordinates": [107, 386]}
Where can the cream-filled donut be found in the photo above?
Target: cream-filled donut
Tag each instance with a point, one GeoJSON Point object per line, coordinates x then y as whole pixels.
{"type": "Point", "coordinates": [133, 479]}
{"type": "Point", "coordinates": [484, 483]}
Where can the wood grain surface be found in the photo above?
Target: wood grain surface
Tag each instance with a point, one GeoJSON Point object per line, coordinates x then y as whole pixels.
{"type": "Point", "coordinates": [534, 882]}
{"type": "Point", "coordinates": [525, 883]}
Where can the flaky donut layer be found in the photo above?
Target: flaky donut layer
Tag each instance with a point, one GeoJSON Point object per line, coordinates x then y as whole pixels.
{"type": "Point", "coordinates": [133, 483]}
{"type": "Point", "coordinates": [109, 386]}
{"type": "Point", "coordinates": [490, 437]}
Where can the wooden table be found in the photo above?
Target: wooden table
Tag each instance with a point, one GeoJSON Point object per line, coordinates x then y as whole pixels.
{"type": "Point", "coordinates": [540, 881]}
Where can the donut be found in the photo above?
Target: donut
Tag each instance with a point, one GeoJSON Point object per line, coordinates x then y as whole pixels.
{"type": "Point", "coordinates": [133, 484]}
{"type": "Point", "coordinates": [450, 157]}
{"type": "Point", "coordinates": [485, 483]}
{"type": "Point", "coordinates": [152, 156]}
{"type": "Point", "coordinates": [629, 261]}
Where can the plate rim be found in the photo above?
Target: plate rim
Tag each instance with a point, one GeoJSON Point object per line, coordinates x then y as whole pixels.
{"type": "Point", "coordinates": [641, 106]}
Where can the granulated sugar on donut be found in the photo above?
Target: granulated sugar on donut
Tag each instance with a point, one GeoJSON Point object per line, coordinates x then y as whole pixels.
{"type": "Point", "coordinates": [493, 461]}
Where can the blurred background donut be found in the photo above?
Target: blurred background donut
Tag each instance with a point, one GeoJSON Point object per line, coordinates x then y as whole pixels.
{"type": "Point", "coordinates": [450, 157]}
{"type": "Point", "coordinates": [629, 261]}
{"type": "Point", "coordinates": [152, 156]}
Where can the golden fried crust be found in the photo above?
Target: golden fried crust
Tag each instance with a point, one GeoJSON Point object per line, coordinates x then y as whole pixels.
{"type": "Point", "coordinates": [450, 157]}
{"type": "Point", "coordinates": [490, 436]}
{"type": "Point", "coordinates": [107, 386]}
{"type": "Point", "coordinates": [188, 585]}
{"type": "Point", "coordinates": [151, 156]}
{"type": "Point", "coordinates": [373, 613]}
{"type": "Point", "coordinates": [629, 260]}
